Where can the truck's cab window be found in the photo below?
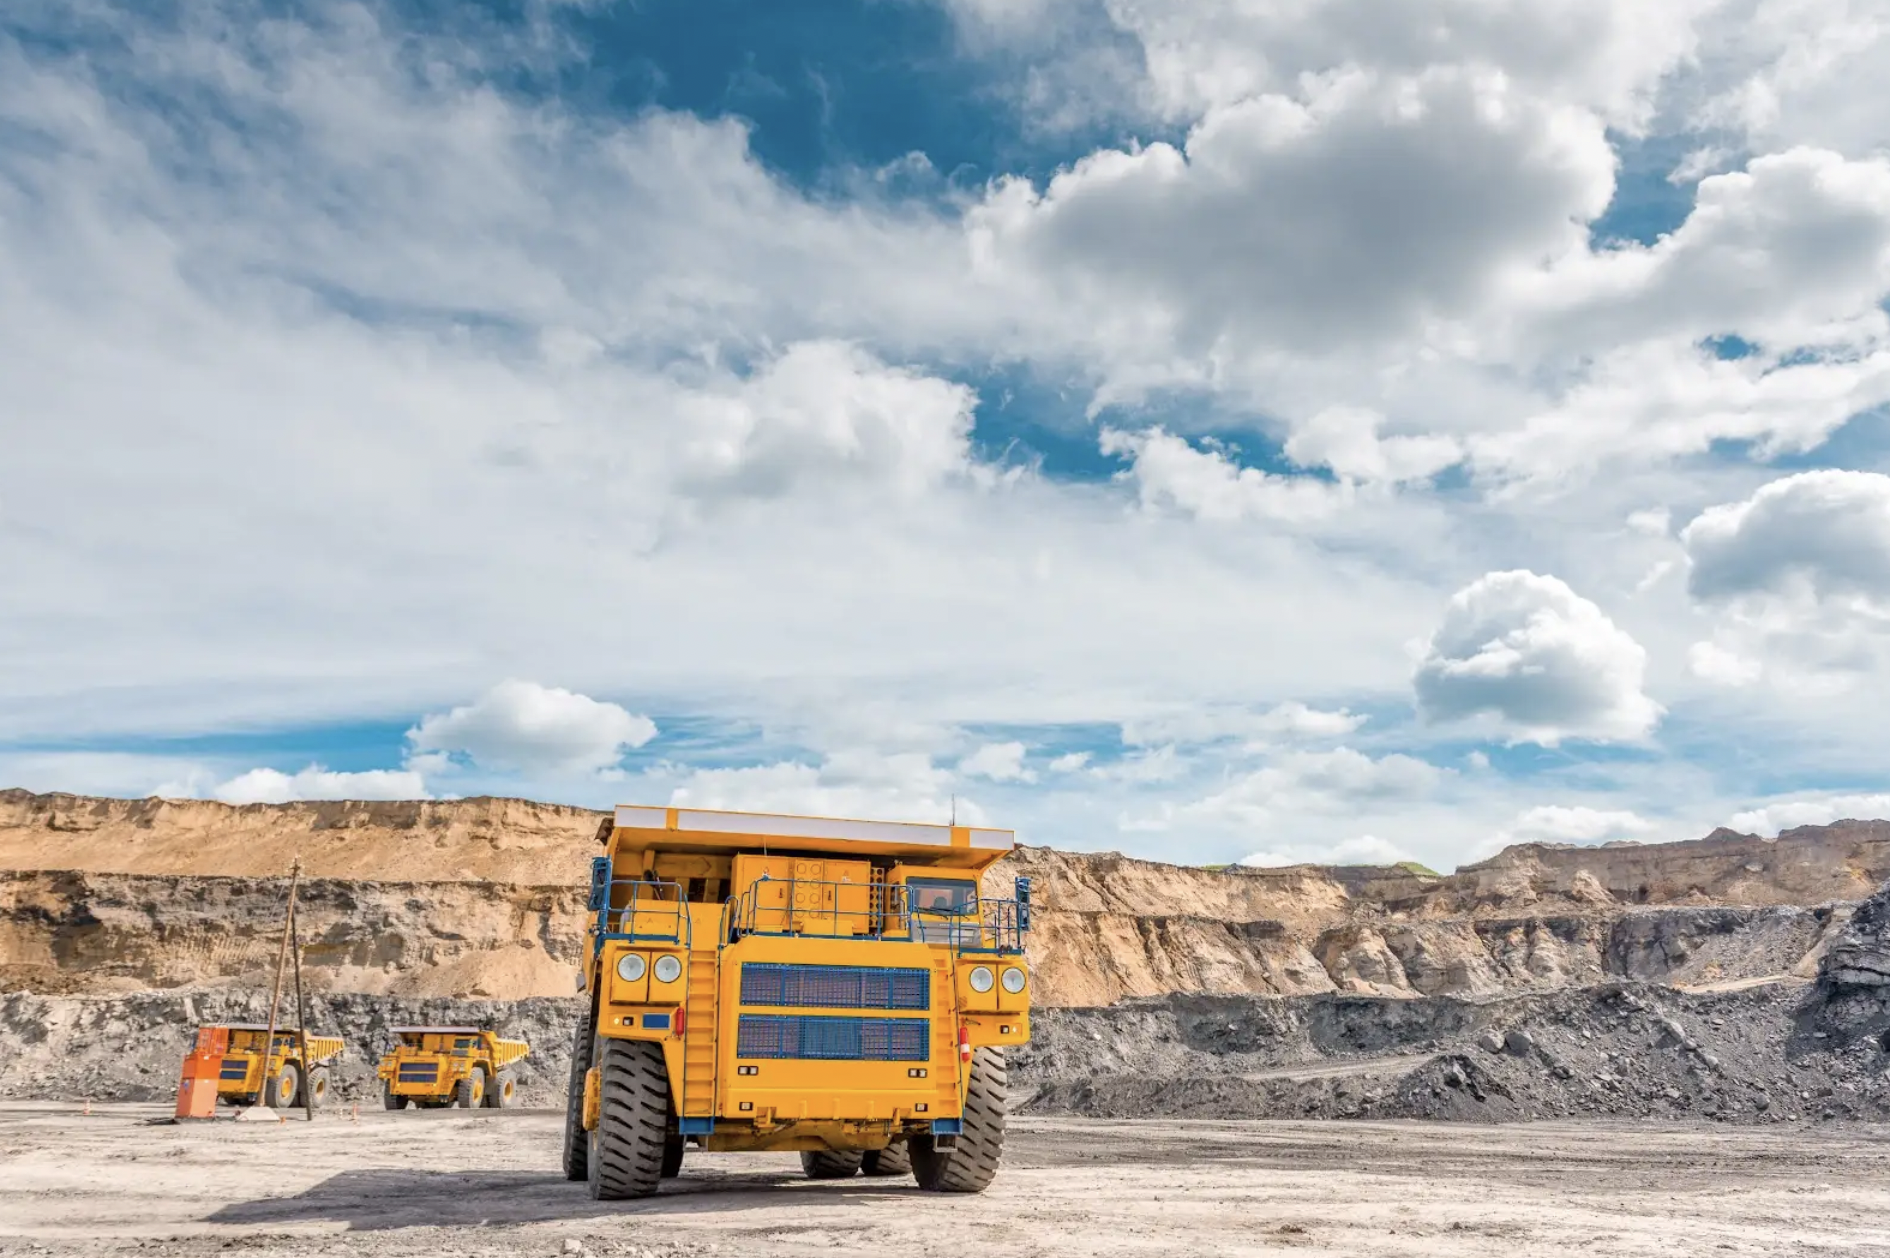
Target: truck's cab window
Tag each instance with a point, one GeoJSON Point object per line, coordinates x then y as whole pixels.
{"type": "Point", "coordinates": [950, 896]}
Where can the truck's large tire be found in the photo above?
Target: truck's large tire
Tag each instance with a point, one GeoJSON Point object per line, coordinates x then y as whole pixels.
{"type": "Point", "coordinates": [894, 1159]}
{"type": "Point", "coordinates": [830, 1165]}
{"type": "Point", "coordinates": [391, 1101]}
{"type": "Point", "coordinates": [576, 1139]}
{"type": "Point", "coordinates": [972, 1165]}
{"type": "Point", "coordinates": [471, 1092]}
{"type": "Point", "coordinates": [281, 1089]}
{"type": "Point", "coordinates": [318, 1087]}
{"type": "Point", "coordinates": [672, 1157]}
{"type": "Point", "coordinates": [501, 1090]}
{"type": "Point", "coordinates": [626, 1146]}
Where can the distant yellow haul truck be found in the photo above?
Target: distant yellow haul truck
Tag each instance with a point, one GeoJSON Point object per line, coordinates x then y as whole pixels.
{"type": "Point", "coordinates": [437, 1066]}
{"type": "Point", "coordinates": [246, 1079]}
{"type": "Point", "coordinates": [837, 989]}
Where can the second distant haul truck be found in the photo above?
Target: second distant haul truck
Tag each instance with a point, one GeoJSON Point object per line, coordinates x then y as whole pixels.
{"type": "Point", "coordinates": [436, 1066]}
{"type": "Point", "coordinates": [837, 989]}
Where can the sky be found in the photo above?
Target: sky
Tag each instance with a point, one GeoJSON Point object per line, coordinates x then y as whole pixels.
{"type": "Point", "coordinates": [1209, 430]}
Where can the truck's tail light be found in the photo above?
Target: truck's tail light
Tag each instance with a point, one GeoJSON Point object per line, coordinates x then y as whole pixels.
{"type": "Point", "coordinates": [681, 1025]}
{"type": "Point", "coordinates": [964, 1043]}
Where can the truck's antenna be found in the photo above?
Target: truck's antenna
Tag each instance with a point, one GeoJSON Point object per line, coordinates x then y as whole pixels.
{"type": "Point", "coordinates": [954, 807]}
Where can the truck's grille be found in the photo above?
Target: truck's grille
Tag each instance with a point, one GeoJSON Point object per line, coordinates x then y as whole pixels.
{"type": "Point", "coordinates": [786, 1036]}
{"type": "Point", "coordinates": [235, 1068]}
{"type": "Point", "coordinates": [419, 1072]}
{"type": "Point", "coordinates": [835, 986]}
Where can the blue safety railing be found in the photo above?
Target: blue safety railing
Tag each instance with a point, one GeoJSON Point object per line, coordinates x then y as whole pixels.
{"type": "Point", "coordinates": [640, 910]}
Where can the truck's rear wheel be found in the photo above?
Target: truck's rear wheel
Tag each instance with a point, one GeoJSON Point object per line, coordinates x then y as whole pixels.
{"type": "Point", "coordinates": [501, 1091]}
{"type": "Point", "coordinates": [390, 1100]}
{"type": "Point", "coordinates": [973, 1163]}
{"type": "Point", "coordinates": [318, 1087]}
{"type": "Point", "coordinates": [472, 1089]}
{"type": "Point", "coordinates": [894, 1159]}
{"type": "Point", "coordinates": [830, 1165]}
{"type": "Point", "coordinates": [626, 1146]}
{"type": "Point", "coordinates": [576, 1139]}
{"type": "Point", "coordinates": [672, 1157]}
{"type": "Point", "coordinates": [281, 1090]}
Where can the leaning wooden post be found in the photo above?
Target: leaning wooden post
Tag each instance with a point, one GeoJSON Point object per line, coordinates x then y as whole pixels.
{"type": "Point", "coordinates": [301, 1010]}
{"type": "Point", "coordinates": [282, 957]}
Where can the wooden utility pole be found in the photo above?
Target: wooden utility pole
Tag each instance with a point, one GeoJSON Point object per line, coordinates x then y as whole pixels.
{"type": "Point", "coordinates": [275, 1000]}
{"type": "Point", "coordinates": [301, 1010]}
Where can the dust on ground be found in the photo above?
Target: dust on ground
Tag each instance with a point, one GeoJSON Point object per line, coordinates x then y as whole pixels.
{"type": "Point", "coordinates": [119, 1181]}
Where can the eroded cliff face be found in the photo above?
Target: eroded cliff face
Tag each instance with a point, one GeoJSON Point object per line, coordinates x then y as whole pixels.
{"type": "Point", "coordinates": [77, 931]}
{"type": "Point", "coordinates": [496, 840]}
{"type": "Point", "coordinates": [450, 899]}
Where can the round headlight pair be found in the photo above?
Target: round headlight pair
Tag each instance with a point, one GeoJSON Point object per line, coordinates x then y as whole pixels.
{"type": "Point", "coordinates": [631, 967]}
{"type": "Point", "coordinates": [1013, 980]}
{"type": "Point", "coordinates": [982, 978]}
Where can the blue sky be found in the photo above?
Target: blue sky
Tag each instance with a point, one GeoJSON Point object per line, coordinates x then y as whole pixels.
{"type": "Point", "coordinates": [1207, 432]}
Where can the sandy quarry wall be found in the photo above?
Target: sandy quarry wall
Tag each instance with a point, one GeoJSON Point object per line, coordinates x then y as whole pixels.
{"type": "Point", "coordinates": [482, 898]}
{"type": "Point", "coordinates": [497, 840]}
{"type": "Point", "coordinates": [73, 931]}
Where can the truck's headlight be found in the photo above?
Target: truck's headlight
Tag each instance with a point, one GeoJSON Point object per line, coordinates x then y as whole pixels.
{"type": "Point", "coordinates": [1013, 980]}
{"type": "Point", "coordinates": [982, 978]}
{"type": "Point", "coordinates": [630, 966]}
{"type": "Point", "coordinates": [668, 969]}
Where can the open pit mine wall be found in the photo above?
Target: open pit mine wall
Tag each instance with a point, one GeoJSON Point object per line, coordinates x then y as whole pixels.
{"type": "Point", "coordinates": [483, 897]}
{"type": "Point", "coordinates": [77, 932]}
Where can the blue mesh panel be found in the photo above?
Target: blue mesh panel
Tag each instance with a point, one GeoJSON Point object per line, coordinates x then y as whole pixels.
{"type": "Point", "coordinates": [419, 1072]}
{"type": "Point", "coordinates": [835, 986]}
{"type": "Point", "coordinates": [794, 1038]}
{"type": "Point", "coordinates": [235, 1068]}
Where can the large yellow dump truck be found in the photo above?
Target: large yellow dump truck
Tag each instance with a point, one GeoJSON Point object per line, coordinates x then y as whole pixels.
{"type": "Point", "coordinates": [245, 1078]}
{"type": "Point", "coordinates": [837, 989]}
{"type": "Point", "coordinates": [435, 1066]}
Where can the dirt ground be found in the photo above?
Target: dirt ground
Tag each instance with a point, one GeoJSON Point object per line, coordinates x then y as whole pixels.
{"type": "Point", "coordinates": [119, 1181]}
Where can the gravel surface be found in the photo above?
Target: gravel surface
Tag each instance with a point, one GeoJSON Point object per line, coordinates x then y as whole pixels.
{"type": "Point", "coordinates": [484, 1183]}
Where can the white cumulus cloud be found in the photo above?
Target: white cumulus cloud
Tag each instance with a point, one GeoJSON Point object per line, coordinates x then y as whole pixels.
{"type": "Point", "coordinates": [998, 762]}
{"type": "Point", "coordinates": [272, 786]}
{"type": "Point", "coordinates": [1169, 471]}
{"type": "Point", "coordinates": [1810, 810]}
{"type": "Point", "coordinates": [1823, 536]}
{"type": "Point", "coordinates": [523, 727]}
{"type": "Point", "coordinates": [1545, 663]}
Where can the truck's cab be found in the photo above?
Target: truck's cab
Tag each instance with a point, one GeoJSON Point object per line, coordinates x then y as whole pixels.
{"type": "Point", "coordinates": [837, 989]}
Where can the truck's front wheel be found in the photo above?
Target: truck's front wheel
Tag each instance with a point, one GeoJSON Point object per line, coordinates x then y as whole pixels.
{"type": "Point", "coordinates": [392, 1100]}
{"type": "Point", "coordinates": [281, 1091]}
{"type": "Point", "coordinates": [627, 1145]}
{"type": "Point", "coordinates": [576, 1139]}
{"type": "Point", "coordinates": [973, 1163]}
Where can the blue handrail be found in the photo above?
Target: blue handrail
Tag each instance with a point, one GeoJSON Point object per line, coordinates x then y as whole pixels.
{"type": "Point", "coordinates": [871, 911]}
{"type": "Point", "coordinates": [645, 896]}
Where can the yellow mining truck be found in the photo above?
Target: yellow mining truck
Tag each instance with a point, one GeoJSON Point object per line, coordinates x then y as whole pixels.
{"type": "Point", "coordinates": [245, 1079]}
{"type": "Point", "coordinates": [437, 1066]}
{"type": "Point", "coordinates": [837, 989]}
